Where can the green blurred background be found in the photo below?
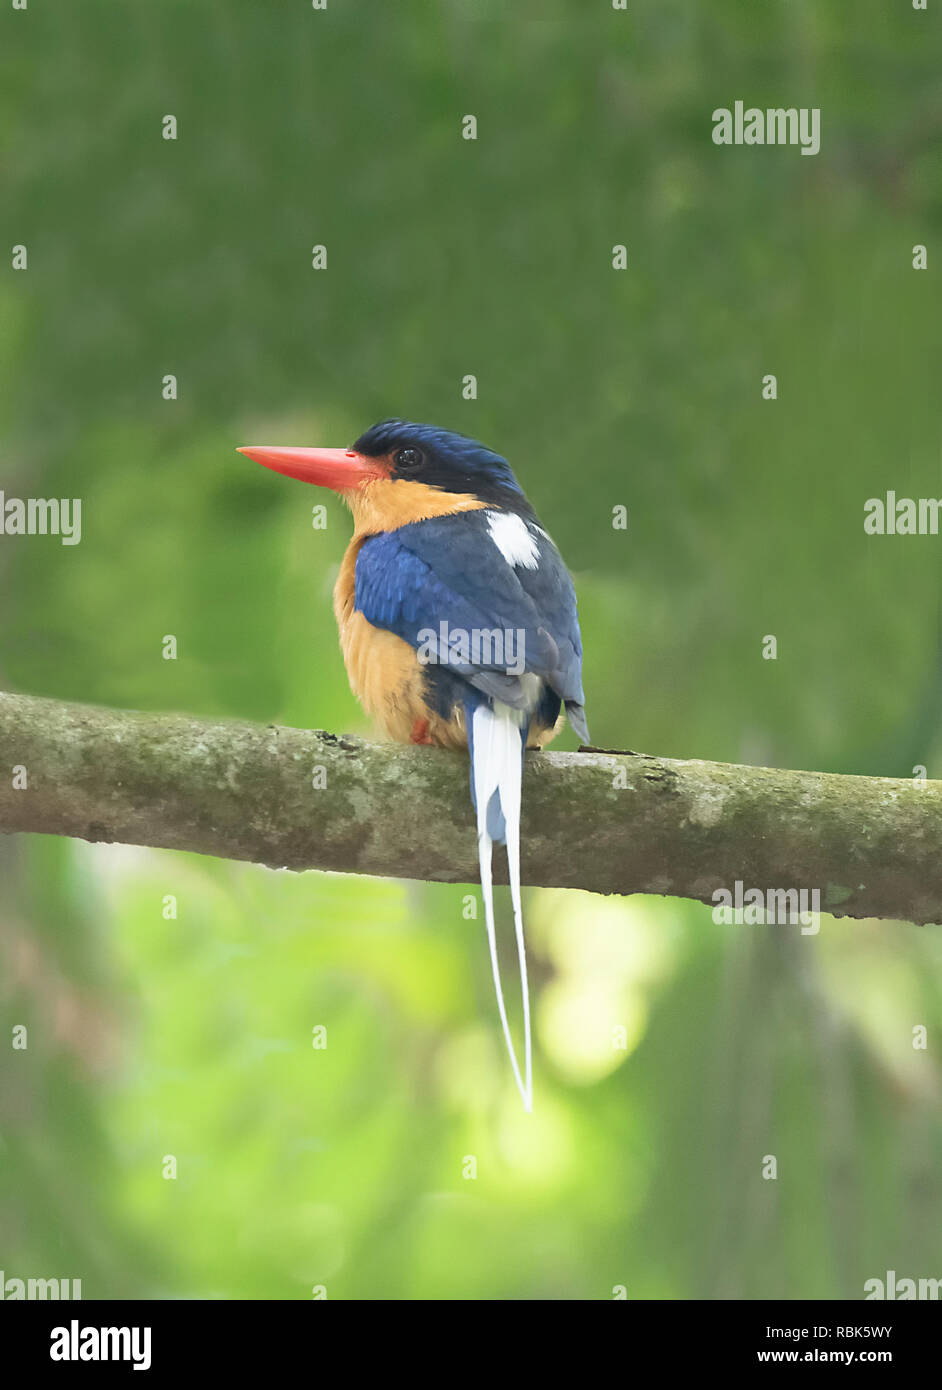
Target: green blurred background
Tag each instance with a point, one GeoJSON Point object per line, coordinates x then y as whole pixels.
{"type": "Point", "coordinates": [345, 1167]}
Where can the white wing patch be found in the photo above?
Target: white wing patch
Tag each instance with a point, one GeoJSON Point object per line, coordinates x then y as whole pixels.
{"type": "Point", "coordinates": [510, 534]}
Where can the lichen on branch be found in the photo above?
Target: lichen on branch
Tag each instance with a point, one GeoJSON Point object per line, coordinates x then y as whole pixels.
{"type": "Point", "coordinates": [611, 822]}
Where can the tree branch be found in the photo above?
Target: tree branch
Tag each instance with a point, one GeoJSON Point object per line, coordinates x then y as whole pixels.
{"type": "Point", "coordinates": [609, 822]}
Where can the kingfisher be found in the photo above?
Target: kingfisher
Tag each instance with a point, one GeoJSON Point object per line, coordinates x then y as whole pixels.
{"type": "Point", "coordinates": [458, 625]}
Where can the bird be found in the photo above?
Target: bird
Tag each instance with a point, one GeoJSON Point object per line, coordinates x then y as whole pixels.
{"type": "Point", "coordinates": [458, 626]}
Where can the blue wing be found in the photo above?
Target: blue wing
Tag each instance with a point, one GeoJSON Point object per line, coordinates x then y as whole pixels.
{"type": "Point", "coordinates": [449, 571]}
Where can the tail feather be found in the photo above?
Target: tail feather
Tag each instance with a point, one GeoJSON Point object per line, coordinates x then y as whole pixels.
{"type": "Point", "coordinates": [496, 823]}
{"type": "Point", "coordinates": [496, 772]}
{"type": "Point", "coordinates": [512, 818]}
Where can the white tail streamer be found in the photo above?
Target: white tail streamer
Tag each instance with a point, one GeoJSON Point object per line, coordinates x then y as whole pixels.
{"type": "Point", "coordinates": [497, 766]}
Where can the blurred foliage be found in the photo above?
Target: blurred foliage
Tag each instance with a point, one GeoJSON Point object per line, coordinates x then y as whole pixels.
{"type": "Point", "coordinates": [192, 1037]}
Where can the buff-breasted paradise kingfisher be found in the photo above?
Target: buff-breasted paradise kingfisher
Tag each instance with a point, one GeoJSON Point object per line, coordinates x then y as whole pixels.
{"type": "Point", "coordinates": [457, 621]}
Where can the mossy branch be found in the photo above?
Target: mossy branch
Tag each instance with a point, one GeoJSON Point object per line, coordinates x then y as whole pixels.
{"type": "Point", "coordinates": [606, 821]}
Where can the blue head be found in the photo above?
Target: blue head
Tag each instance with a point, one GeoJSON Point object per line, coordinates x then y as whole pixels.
{"type": "Point", "coordinates": [443, 460]}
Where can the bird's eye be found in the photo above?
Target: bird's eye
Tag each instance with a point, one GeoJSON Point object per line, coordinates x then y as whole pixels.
{"type": "Point", "coordinates": [408, 460]}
